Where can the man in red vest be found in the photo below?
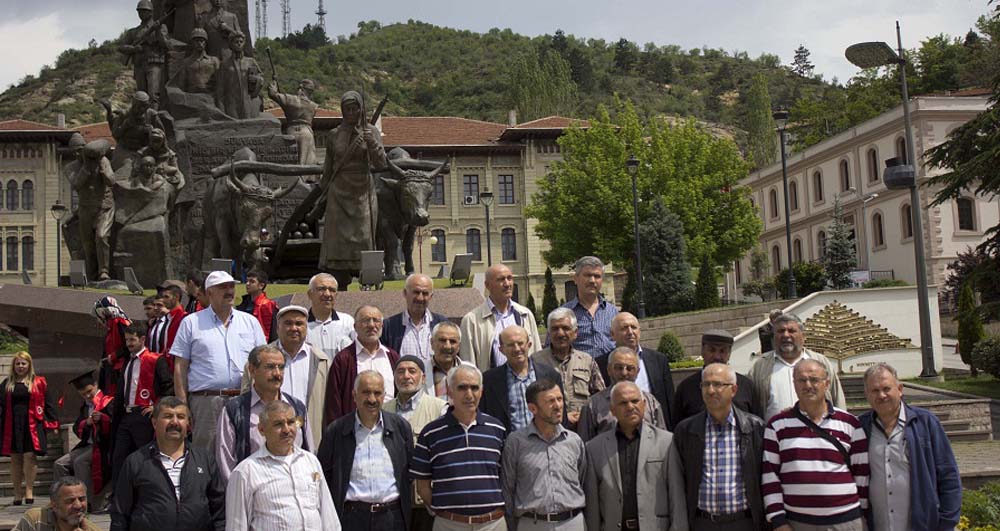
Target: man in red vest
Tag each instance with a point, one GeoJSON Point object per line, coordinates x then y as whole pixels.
{"type": "Point", "coordinates": [146, 376]}
{"type": "Point", "coordinates": [90, 460]}
{"type": "Point", "coordinates": [256, 303]}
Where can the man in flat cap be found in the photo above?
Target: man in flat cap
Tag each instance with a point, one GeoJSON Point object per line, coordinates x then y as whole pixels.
{"type": "Point", "coordinates": [716, 347]}
{"type": "Point", "coordinates": [307, 367]}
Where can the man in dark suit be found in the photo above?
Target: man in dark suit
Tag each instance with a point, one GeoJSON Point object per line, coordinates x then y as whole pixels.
{"type": "Point", "coordinates": [504, 387]}
{"type": "Point", "coordinates": [374, 441]}
{"type": "Point", "coordinates": [409, 332]}
{"type": "Point", "coordinates": [654, 367]}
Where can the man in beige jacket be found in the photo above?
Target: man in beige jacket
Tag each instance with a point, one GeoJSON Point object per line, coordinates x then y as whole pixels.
{"type": "Point", "coordinates": [482, 326]}
{"type": "Point", "coordinates": [307, 367]}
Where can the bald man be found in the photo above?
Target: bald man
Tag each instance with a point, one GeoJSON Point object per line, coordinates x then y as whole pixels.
{"type": "Point", "coordinates": [482, 326]}
{"type": "Point", "coordinates": [409, 332]}
{"type": "Point", "coordinates": [505, 387]}
{"type": "Point", "coordinates": [654, 367]}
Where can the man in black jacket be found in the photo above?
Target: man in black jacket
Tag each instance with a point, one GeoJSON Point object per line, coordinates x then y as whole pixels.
{"type": "Point", "coordinates": [654, 367]}
{"type": "Point", "coordinates": [167, 485]}
{"type": "Point", "coordinates": [384, 439]}
{"type": "Point", "coordinates": [734, 440]}
{"type": "Point", "coordinates": [409, 332]}
{"type": "Point", "coordinates": [504, 387]}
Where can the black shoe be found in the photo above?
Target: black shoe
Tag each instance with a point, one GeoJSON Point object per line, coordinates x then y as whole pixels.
{"type": "Point", "coordinates": [29, 501]}
{"type": "Point", "coordinates": [17, 502]}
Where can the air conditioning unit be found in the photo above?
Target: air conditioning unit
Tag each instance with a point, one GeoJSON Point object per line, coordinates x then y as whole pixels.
{"type": "Point", "coordinates": [470, 200]}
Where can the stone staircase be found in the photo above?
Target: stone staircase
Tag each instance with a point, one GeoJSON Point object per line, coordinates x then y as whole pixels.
{"type": "Point", "coordinates": [46, 470]}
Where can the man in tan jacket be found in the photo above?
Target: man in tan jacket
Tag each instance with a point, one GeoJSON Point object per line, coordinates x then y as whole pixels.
{"type": "Point", "coordinates": [307, 367]}
{"type": "Point", "coordinates": [482, 326]}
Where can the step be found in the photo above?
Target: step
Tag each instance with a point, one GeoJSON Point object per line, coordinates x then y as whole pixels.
{"type": "Point", "coordinates": [970, 435]}
{"type": "Point", "coordinates": [952, 426]}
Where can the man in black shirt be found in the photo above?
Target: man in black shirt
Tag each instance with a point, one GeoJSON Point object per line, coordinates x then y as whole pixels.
{"type": "Point", "coordinates": [716, 346]}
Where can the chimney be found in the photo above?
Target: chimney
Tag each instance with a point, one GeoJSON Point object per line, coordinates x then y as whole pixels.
{"type": "Point", "coordinates": [378, 125]}
{"type": "Point", "coordinates": [61, 121]}
{"type": "Point", "coordinates": [512, 117]}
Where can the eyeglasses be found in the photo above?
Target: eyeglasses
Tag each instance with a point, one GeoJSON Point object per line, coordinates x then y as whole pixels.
{"type": "Point", "coordinates": [810, 380]}
{"type": "Point", "coordinates": [370, 320]}
{"type": "Point", "coordinates": [273, 366]}
{"type": "Point", "coordinates": [715, 385]}
{"type": "Point", "coordinates": [324, 289]}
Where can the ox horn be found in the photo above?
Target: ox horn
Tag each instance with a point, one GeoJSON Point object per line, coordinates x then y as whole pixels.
{"type": "Point", "coordinates": [282, 192]}
{"type": "Point", "coordinates": [238, 185]}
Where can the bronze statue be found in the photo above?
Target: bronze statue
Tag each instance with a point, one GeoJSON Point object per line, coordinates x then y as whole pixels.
{"type": "Point", "coordinates": [142, 209]}
{"type": "Point", "coordinates": [130, 129]}
{"type": "Point", "coordinates": [239, 82]}
{"type": "Point", "coordinates": [197, 73]}
{"type": "Point", "coordinates": [220, 26]}
{"type": "Point", "coordinates": [145, 46]}
{"type": "Point", "coordinates": [166, 161]}
{"type": "Point", "coordinates": [96, 211]}
{"type": "Point", "coordinates": [299, 113]}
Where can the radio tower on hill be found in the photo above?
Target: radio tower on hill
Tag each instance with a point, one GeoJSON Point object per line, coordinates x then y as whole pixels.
{"type": "Point", "coordinates": [286, 17]}
{"type": "Point", "coordinates": [321, 16]}
{"type": "Point", "coordinates": [261, 13]}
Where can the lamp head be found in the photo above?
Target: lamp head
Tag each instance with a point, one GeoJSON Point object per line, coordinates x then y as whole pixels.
{"type": "Point", "coordinates": [58, 210]}
{"type": "Point", "coordinates": [486, 198]}
{"type": "Point", "coordinates": [872, 55]}
{"type": "Point", "coordinates": [632, 164]}
{"type": "Point", "coordinates": [780, 117]}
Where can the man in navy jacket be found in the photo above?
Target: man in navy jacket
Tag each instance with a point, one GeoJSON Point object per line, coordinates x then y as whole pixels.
{"type": "Point", "coordinates": [409, 332]}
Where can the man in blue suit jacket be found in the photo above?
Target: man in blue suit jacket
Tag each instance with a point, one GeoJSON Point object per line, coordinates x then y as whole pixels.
{"type": "Point", "coordinates": [409, 332]}
{"type": "Point", "coordinates": [504, 387]}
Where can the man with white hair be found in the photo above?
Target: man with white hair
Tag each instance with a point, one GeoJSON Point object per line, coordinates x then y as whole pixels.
{"type": "Point", "coordinates": [581, 377]}
{"type": "Point", "coordinates": [482, 326]}
{"type": "Point", "coordinates": [409, 332]}
{"type": "Point", "coordinates": [329, 330]}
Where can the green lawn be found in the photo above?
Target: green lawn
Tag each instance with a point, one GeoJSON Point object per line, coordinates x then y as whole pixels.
{"type": "Point", "coordinates": [983, 385]}
{"type": "Point", "coordinates": [277, 290]}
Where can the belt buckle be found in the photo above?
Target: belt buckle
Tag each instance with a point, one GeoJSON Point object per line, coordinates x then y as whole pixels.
{"type": "Point", "coordinates": [632, 523]}
{"type": "Point", "coordinates": [374, 507]}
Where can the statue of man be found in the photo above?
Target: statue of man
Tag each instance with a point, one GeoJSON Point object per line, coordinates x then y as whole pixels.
{"type": "Point", "coordinates": [299, 111]}
{"type": "Point", "coordinates": [145, 46]}
{"type": "Point", "coordinates": [166, 160]}
{"type": "Point", "coordinates": [197, 74]}
{"type": "Point", "coordinates": [239, 81]}
{"type": "Point", "coordinates": [96, 206]}
{"type": "Point", "coordinates": [220, 24]}
{"type": "Point", "coordinates": [353, 151]}
{"type": "Point", "coordinates": [130, 129]}
{"type": "Point", "coordinates": [143, 205]}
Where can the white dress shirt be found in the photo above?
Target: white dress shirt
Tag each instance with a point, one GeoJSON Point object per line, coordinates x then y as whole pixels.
{"type": "Point", "coordinates": [280, 493]}
{"type": "Point", "coordinates": [642, 377]}
{"type": "Point", "coordinates": [296, 382]}
{"type": "Point", "coordinates": [225, 441]}
{"type": "Point", "coordinates": [377, 361]}
{"type": "Point", "coordinates": [782, 394]}
{"type": "Point", "coordinates": [373, 479]}
{"type": "Point", "coordinates": [416, 337]}
{"type": "Point", "coordinates": [132, 371]}
{"type": "Point", "coordinates": [333, 335]}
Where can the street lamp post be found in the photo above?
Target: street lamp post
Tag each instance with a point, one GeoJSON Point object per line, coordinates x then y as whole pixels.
{"type": "Point", "coordinates": [902, 174]}
{"type": "Point", "coordinates": [632, 165]}
{"type": "Point", "coordinates": [486, 198]}
{"type": "Point", "coordinates": [420, 246]}
{"type": "Point", "coordinates": [58, 211]}
{"type": "Point", "coordinates": [780, 119]}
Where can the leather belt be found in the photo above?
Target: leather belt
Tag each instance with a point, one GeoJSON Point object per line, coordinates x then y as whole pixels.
{"type": "Point", "coordinates": [366, 507]}
{"type": "Point", "coordinates": [470, 519]}
{"type": "Point", "coordinates": [216, 392]}
{"type": "Point", "coordinates": [129, 409]}
{"type": "Point", "coordinates": [731, 517]}
{"type": "Point", "coordinates": [553, 517]}
{"type": "Point", "coordinates": [631, 523]}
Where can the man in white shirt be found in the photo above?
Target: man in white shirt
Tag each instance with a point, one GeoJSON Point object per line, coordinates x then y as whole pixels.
{"type": "Point", "coordinates": [280, 487]}
{"type": "Point", "coordinates": [481, 327]}
{"type": "Point", "coordinates": [329, 330]}
{"type": "Point", "coordinates": [307, 368]}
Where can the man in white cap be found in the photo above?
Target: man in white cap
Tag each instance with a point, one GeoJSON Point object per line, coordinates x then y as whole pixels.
{"type": "Point", "coordinates": [306, 367]}
{"type": "Point", "coordinates": [210, 352]}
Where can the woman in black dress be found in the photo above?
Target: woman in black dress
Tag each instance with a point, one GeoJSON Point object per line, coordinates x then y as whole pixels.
{"type": "Point", "coordinates": [25, 413]}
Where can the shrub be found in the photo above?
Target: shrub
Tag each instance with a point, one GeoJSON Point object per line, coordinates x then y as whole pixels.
{"type": "Point", "coordinates": [986, 357]}
{"type": "Point", "coordinates": [671, 346]}
{"type": "Point", "coordinates": [970, 326]}
{"type": "Point", "coordinates": [810, 277]}
{"type": "Point", "coordinates": [981, 507]}
{"type": "Point", "coordinates": [686, 364]}
{"type": "Point", "coordinates": [885, 283]}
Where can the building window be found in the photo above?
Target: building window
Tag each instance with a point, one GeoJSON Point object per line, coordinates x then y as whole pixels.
{"type": "Point", "coordinates": [776, 259]}
{"type": "Point", "coordinates": [439, 249]}
{"type": "Point", "coordinates": [470, 188]}
{"type": "Point", "coordinates": [12, 195]}
{"type": "Point", "coordinates": [906, 222]}
{"type": "Point", "coordinates": [773, 195]}
{"type": "Point", "coordinates": [901, 150]}
{"type": "Point", "coordinates": [11, 253]}
{"type": "Point", "coordinates": [472, 245]}
{"type": "Point", "coordinates": [506, 188]}
{"type": "Point", "coordinates": [872, 159]}
{"type": "Point", "coordinates": [821, 244]}
{"type": "Point", "coordinates": [1, 200]}
{"type": "Point", "coordinates": [817, 186]}
{"type": "Point", "coordinates": [437, 193]}
{"type": "Point", "coordinates": [797, 250]}
{"type": "Point", "coordinates": [793, 195]}
{"type": "Point", "coordinates": [28, 195]}
{"type": "Point", "coordinates": [28, 253]}
{"type": "Point", "coordinates": [966, 213]}
{"type": "Point", "coordinates": [508, 244]}
{"type": "Point", "coordinates": [878, 231]}
{"type": "Point", "coordinates": [845, 176]}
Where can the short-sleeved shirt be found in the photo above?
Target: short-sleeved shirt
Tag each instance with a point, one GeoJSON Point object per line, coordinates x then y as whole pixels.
{"type": "Point", "coordinates": [217, 353]}
{"type": "Point", "coordinates": [593, 332]}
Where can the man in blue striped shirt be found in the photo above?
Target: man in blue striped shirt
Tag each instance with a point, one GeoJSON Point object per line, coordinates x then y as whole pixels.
{"type": "Point", "coordinates": [456, 462]}
{"type": "Point", "coordinates": [593, 312]}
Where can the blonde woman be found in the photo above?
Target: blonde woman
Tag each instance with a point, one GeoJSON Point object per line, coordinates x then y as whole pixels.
{"type": "Point", "coordinates": [25, 414]}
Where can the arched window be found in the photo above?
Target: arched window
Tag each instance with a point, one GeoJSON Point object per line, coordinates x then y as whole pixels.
{"type": "Point", "coordinates": [845, 176]}
{"type": "Point", "coordinates": [878, 231]}
{"type": "Point", "coordinates": [901, 149]}
{"type": "Point", "coordinates": [817, 186]}
{"type": "Point", "coordinates": [776, 259]}
{"type": "Point", "coordinates": [439, 251]}
{"type": "Point", "coordinates": [472, 244]}
{"type": "Point", "coordinates": [793, 195]}
{"type": "Point", "coordinates": [966, 213]}
{"type": "Point", "coordinates": [773, 197]}
{"type": "Point", "coordinates": [12, 195]}
{"type": "Point", "coordinates": [508, 244]}
{"type": "Point", "coordinates": [872, 159]}
{"type": "Point", "coordinates": [11, 253]}
{"type": "Point", "coordinates": [906, 221]}
{"type": "Point", "coordinates": [797, 250]}
{"type": "Point", "coordinates": [28, 253]}
{"type": "Point", "coordinates": [28, 195]}
{"type": "Point", "coordinates": [821, 244]}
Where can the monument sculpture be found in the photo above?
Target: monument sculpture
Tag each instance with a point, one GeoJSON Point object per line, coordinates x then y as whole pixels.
{"type": "Point", "coordinates": [299, 112]}
{"type": "Point", "coordinates": [145, 47]}
{"type": "Point", "coordinates": [237, 91]}
{"type": "Point", "coordinates": [142, 209]}
{"type": "Point", "coordinates": [93, 182]}
{"type": "Point", "coordinates": [130, 128]}
{"type": "Point", "coordinates": [220, 25]}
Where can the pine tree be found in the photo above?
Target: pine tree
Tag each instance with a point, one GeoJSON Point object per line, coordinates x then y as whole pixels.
{"type": "Point", "coordinates": [801, 64]}
{"type": "Point", "coordinates": [665, 269]}
{"type": "Point", "coordinates": [530, 305]}
{"type": "Point", "coordinates": [706, 291]}
{"type": "Point", "coordinates": [549, 301]}
{"type": "Point", "coordinates": [840, 257]}
{"type": "Point", "coordinates": [762, 140]}
{"type": "Point", "coordinates": [970, 326]}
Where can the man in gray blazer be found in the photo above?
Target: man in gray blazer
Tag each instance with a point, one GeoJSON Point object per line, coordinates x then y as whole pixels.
{"type": "Point", "coordinates": [306, 367]}
{"type": "Point", "coordinates": [634, 476]}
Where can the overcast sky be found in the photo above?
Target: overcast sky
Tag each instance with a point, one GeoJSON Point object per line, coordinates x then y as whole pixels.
{"type": "Point", "coordinates": [34, 32]}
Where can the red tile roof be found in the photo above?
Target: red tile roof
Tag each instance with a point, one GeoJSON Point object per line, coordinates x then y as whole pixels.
{"type": "Point", "coordinates": [553, 122]}
{"type": "Point", "coordinates": [25, 125]}
{"type": "Point", "coordinates": [438, 131]}
{"type": "Point", "coordinates": [320, 112]}
{"type": "Point", "coordinates": [95, 131]}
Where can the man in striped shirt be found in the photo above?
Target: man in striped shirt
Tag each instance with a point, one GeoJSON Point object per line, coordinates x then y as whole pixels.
{"type": "Point", "coordinates": [815, 469]}
{"type": "Point", "coordinates": [456, 462]}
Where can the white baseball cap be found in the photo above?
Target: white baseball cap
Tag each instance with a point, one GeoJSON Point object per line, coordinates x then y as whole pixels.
{"type": "Point", "coordinates": [218, 277]}
{"type": "Point", "coordinates": [293, 308]}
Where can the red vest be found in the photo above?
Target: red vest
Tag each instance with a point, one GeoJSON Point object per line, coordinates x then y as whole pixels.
{"type": "Point", "coordinates": [98, 438]}
{"type": "Point", "coordinates": [36, 415]}
{"type": "Point", "coordinates": [145, 391]}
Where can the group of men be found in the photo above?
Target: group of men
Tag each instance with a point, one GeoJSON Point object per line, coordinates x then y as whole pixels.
{"type": "Point", "coordinates": [414, 422]}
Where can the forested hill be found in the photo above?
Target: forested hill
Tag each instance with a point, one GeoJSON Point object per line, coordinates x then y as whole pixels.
{"type": "Point", "coordinates": [430, 70]}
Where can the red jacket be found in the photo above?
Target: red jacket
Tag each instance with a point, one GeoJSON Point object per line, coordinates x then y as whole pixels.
{"type": "Point", "coordinates": [264, 309]}
{"type": "Point", "coordinates": [40, 415]}
{"type": "Point", "coordinates": [98, 437]}
{"type": "Point", "coordinates": [155, 381]}
{"type": "Point", "coordinates": [176, 316]}
{"type": "Point", "coordinates": [115, 354]}
{"type": "Point", "coordinates": [340, 383]}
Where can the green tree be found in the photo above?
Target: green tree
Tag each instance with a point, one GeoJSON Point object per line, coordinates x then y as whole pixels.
{"type": "Point", "coordinates": [671, 345]}
{"type": "Point", "coordinates": [308, 38]}
{"type": "Point", "coordinates": [762, 142]}
{"type": "Point", "coordinates": [801, 64]}
{"type": "Point", "coordinates": [549, 301]}
{"type": "Point", "coordinates": [530, 305]}
{"type": "Point", "coordinates": [706, 292]}
{"type": "Point", "coordinates": [809, 278]}
{"type": "Point", "coordinates": [665, 268]}
{"type": "Point", "coordinates": [938, 64]}
{"type": "Point", "coordinates": [626, 56]}
{"type": "Point", "coordinates": [541, 85]}
{"type": "Point", "coordinates": [840, 257]}
{"type": "Point", "coordinates": [970, 326]}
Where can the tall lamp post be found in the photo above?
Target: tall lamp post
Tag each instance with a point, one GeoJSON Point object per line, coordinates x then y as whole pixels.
{"type": "Point", "coordinates": [781, 119]}
{"type": "Point", "coordinates": [58, 211]}
{"type": "Point", "coordinates": [420, 246]}
{"type": "Point", "coordinates": [632, 165]}
{"type": "Point", "coordinates": [902, 174]}
{"type": "Point", "coordinates": [486, 198]}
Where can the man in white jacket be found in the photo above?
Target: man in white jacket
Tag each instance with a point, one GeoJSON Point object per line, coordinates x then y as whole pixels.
{"type": "Point", "coordinates": [482, 326]}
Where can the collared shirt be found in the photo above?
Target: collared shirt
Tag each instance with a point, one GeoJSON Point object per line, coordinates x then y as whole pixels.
{"type": "Point", "coordinates": [642, 378]}
{"type": "Point", "coordinates": [889, 486]}
{"type": "Point", "coordinates": [406, 409]}
{"type": "Point", "coordinates": [296, 381]}
{"type": "Point", "coordinates": [722, 490]}
{"type": "Point", "coordinates": [373, 478]}
{"type": "Point", "coordinates": [593, 332]}
{"type": "Point", "coordinates": [377, 361]}
{"type": "Point", "coordinates": [581, 376]}
{"type": "Point", "coordinates": [156, 338]}
{"type": "Point", "coordinates": [517, 386]}
{"type": "Point", "coordinates": [173, 469]}
{"type": "Point", "coordinates": [503, 320]}
{"type": "Point", "coordinates": [225, 453]}
{"type": "Point", "coordinates": [332, 335]}
{"type": "Point", "coordinates": [44, 519]}
{"type": "Point", "coordinates": [439, 378]}
{"type": "Point", "coordinates": [217, 353]}
{"type": "Point", "coordinates": [416, 338]}
{"type": "Point", "coordinates": [132, 371]}
{"type": "Point", "coordinates": [628, 465]}
{"type": "Point", "coordinates": [541, 476]}
{"type": "Point", "coordinates": [782, 385]}
{"type": "Point", "coordinates": [280, 493]}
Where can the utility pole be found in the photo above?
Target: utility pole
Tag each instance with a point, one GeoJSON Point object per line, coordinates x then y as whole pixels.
{"type": "Point", "coordinates": [321, 16]}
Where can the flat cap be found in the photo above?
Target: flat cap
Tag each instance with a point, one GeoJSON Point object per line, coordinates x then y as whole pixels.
{"type": "Point", "coordinates": [717, 336]}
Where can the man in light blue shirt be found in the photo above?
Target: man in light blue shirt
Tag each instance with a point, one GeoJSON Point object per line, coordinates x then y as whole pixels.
{"type": "Point", "coordinates": [210, 352]}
